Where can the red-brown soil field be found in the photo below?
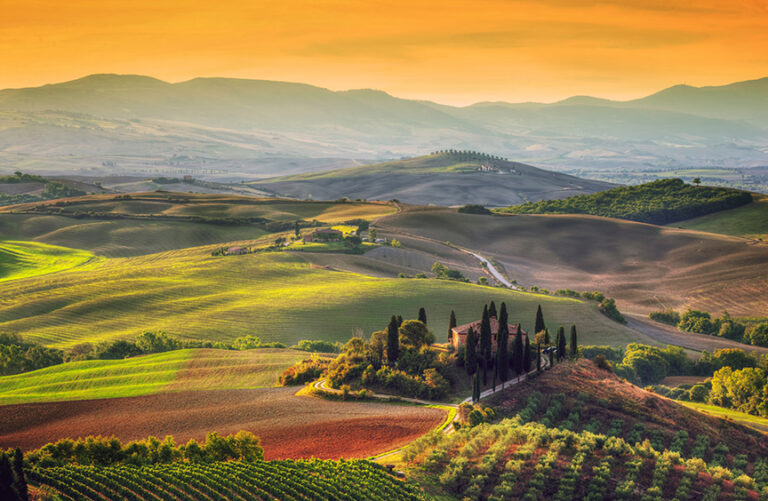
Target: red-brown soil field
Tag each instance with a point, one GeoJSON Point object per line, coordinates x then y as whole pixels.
{"type": "Point", "coordinates": [289, 426]}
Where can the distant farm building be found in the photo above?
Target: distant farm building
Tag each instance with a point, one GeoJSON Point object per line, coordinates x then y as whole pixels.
{"type": "Point", "coordinates": [459, 333]}
{"type": "Point", "coordinates": [234, 251]}
{"type": "Point", "coordinates": [324, 235]}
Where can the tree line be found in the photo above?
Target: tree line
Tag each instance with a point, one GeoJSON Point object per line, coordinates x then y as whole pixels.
{"type": "Point", "coordinates": [701, 322]}
{"type": "Point", "coordinates": [659, 202]}
{"type": "Point", "coordinates": [18, 355]}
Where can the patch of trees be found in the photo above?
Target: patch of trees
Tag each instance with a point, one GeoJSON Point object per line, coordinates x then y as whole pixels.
{"type": "Point", "coordinates": [474, 209]}
{"type": "Point", "coordinates": [396, 360]}
{"type": "Point", "coordinates": [304, 371]}
{"type": "Point", "coordinates": [17, 355]}
{"type": "Point", "coordinates": [317, 346]}
{"type": "Point", "coordinates": [110, 451]}
{"type": "Point", "coordinates": [19, 177]}
{"type": "Point", "coordinates": [467, 155]}
{"type": "Point", "coordinates": [659, 202]}
{"type": "Point", "coordinates": [725, 326]}
{"type": "Point", "coordinates": [445, 273]}
{"type": "Point", "coordinates": [647, 365]}
{"type": "Point", "coordinates": [608, 308]}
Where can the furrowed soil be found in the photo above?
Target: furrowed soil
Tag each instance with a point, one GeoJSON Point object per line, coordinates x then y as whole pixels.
{"type": "Point", "coordinates": [290, 426]}
{"type": "Point", "coordinates": [645, 267]}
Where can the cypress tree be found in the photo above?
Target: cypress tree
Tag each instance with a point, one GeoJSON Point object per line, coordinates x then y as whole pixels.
{"type": "Point", "coordinates": [19, 482]}
{"type": "Point", "coordinates": [518, 352]}
{"type": "Point", "coordinates": [547, 339]}
{"type": "Point", "coordinates": [451, 325]}
{"type": "Point", "coordinates": [486, 346]}
{"type": "Point", "coordinates": [399, 321]}
{"type": "Point", "coordinates": [574, 343]}
{"type": "Point", "coordinates": [551, 356]}
{"type": "Point", "coordinates": [6, 478]}
{"type": "Point", "coordinates": [503, 318]}
{"type": "Point", "coordinates": [538, 358]}
{"type": "Point", "coordinates": [561, 346]}
{"type": "Point", "coordinates": [527, 355]}
{"type": "Point", "coordinates": [423, 316]}
{"type": "Point", "coordinates": [470, 353]}
{"type": "Point", "coordinates": [492, 310]}
{"type": "Point", "coordinates": [475, 388]}
{"type": "Point", "coordinates": [502, 352]}
{"type": "Point", "coordinates": [393, 341]}
{"type": "Point", "coordinates": [539, 321]}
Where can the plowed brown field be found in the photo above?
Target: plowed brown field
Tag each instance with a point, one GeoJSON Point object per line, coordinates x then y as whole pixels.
{"type": "Point", "coordinates": [289, 426]}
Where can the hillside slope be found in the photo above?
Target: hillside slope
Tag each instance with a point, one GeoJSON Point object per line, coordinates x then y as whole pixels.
{"type": "Point", "coordinates": [277, 296]}
{"type": "Point", "coordinates": [440, 179]}
{"type": "Point", "coordinates": [644, 267]}
{"type": "Point", "coordinates": [578, 432]}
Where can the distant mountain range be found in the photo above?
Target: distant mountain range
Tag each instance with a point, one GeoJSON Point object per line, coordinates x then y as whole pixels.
{"type": "Point", "coordinates": [233, 128]}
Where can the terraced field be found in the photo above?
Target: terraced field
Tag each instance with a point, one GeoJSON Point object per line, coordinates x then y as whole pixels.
{"type": "Point", "coordinates": [276, 296]}
{"type": "Point", "coordinates": [181, 370]}
{"type": "Point", "coordinates": [28, 259]}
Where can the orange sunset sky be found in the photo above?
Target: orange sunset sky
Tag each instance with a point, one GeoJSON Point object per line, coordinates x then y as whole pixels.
{"type": "Point", "coordinates": [451, 51]}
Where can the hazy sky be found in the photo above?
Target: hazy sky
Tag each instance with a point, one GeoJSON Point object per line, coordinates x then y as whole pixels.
{"type": "Point", "coordinates": [452, 51]}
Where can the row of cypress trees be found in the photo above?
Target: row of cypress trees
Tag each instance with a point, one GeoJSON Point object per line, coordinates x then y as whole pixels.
{"type": "Point", "coordinates": [13, 484]}
{"type": "Point", "coordinates": [479, 357]}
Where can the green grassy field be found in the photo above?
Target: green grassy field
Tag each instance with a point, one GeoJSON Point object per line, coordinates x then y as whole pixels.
{"type": "Point", "coordinates": [131, 237]}
{"type": "Point", "coordinates": [276, 296]}
{"type": "Point", "coordinates": [749, 221]}
{"type": "Point", "coordinates": [28, 259]}
{"type": "Point", "coordinates": [755, 422]}
{"type": "Point", "coordinates": [181, 370]}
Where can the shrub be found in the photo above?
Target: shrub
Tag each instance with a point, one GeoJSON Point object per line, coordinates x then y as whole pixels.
{"type": "Point", "coordinates": [304, 372]}
{"type": "Point", "coordinates": [670, 317]}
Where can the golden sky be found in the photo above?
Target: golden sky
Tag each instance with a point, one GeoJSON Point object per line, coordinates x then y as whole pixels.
{"type": "Point", "coordinates": [451, 51]}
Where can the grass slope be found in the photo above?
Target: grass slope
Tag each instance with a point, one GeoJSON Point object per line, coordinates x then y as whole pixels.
{"type": "Point", "coordinates": [130, 237]}
{"type": "Point", "coordinates": [181, 370]}
{"type": "Point", "coordinates": [748, 221]}
{"type": "Point", "coordinates": [29, 259]}
{"type": "Point", "coordinates": [742, 418]}
{"type": "Point", "coordinates": [276, 296]}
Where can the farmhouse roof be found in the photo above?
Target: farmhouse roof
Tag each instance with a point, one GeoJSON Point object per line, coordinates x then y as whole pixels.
{"type": "Point", "coordinates": [464, 329]}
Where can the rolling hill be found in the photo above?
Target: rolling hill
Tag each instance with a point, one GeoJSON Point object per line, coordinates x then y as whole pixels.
{"type": "Point", "coordinates": [29, 259]}
{"type": "Point", "coordinates": [644, 267]}
{"type": "Point", "coordinates": [145, 223]}
{"type": "Point", "coordinates": [191, 294]}
{"type": "Point", "coordinates": [578, 432]}
{"type": "Point", "coordinates": [180, 370]}
{"type": "Point", "coordinates": [235, 129]}
{"type": "Point", "coordinates": [441, 179]}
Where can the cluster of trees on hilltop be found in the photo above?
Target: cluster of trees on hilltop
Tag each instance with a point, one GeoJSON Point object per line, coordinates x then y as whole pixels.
{"type": "Point", "coordinates": [725, 326]}
{"type": "Point", "coordinates": [468, 155]}
{"type": "Point", "coordinates": [658, 202]}
{"type": "Point", "coordinates": [53, 189]}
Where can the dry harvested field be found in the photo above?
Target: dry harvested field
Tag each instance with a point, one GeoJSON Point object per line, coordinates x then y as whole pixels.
{"type": "Point", "coordinates": [645, 267]}
{"type": "Point", "coordinates": [289, 426]}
